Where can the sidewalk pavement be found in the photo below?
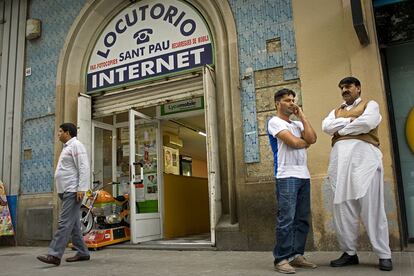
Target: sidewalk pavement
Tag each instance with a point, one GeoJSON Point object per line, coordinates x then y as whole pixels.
{"type": "Point", "coordinates": [109, 261]}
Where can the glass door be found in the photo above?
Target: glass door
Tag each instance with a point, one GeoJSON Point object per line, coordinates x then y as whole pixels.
{"type": "Point", "coordinates": [145, 176]}
{"type": "Point", "coordinates": [400, 65]}
{"type": "Point", "coordinates": [103, 153]}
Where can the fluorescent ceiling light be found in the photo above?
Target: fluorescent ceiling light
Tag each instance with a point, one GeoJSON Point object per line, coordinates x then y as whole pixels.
{"type": "Point", "coordinates": [380, 3]}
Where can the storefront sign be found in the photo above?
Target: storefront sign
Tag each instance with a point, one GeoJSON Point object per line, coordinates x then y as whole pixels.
{"type": "Point", "coordinates": [182, 106]}
{"type": "Point", "coordinates": [146, 40]}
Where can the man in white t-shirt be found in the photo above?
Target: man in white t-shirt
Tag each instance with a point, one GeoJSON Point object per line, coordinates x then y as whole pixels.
{"type": "Point", "coordinates": [289, 140]}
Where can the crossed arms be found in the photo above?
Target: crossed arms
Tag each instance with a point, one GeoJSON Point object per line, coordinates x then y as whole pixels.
{"type": "Point", "coordinates": [369, 120]}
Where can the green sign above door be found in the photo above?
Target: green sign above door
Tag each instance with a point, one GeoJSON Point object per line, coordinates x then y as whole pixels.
{"type": "Point", "coordinates": [182, 106]}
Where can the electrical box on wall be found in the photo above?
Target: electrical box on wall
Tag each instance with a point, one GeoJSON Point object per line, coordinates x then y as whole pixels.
{"type": "Point", "coordinates": [33, 28]}
{"type": "Point", "coordinates": [172, 140]}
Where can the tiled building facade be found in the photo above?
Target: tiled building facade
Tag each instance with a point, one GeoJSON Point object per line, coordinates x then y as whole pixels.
{"type": "Point", "coordinates": [272, 52]}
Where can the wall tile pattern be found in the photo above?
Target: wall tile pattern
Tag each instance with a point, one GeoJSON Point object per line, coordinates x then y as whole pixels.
{"type": "Point", "coordinates": [266, 82]}
{"type": "Point", "coordinates": [256, 22]}
{"type": "Point", "coordinates": [42, 56]}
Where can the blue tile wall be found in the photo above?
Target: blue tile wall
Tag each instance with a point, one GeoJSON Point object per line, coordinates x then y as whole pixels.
{"type": "Point", "coordinates": [42, 56]}
{"type": "Point", "coordinates": [256, 22]}
{"type": "Point", "coordinates": [37, 173]}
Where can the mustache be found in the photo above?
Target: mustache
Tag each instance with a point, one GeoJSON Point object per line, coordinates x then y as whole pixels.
{"type": "Point", "coordinates": [345, 93]}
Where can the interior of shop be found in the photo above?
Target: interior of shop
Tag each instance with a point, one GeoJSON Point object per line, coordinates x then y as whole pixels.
{"type": "Point", "coordinates": [183, 168]}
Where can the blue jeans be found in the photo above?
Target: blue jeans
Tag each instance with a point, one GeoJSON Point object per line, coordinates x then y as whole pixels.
{"type": "Point", "coordinates": [293, 201]}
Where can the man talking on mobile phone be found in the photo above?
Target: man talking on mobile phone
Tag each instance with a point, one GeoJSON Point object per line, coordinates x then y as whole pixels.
{"type": "Point", "coordinates": [289, 140]}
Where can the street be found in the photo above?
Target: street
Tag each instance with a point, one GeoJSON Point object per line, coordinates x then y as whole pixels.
{"type": "Point", "coordinates": [109, 261]}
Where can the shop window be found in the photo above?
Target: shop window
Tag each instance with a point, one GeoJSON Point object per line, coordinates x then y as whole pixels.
{"type": "Point", "coordinates": [395, 22]}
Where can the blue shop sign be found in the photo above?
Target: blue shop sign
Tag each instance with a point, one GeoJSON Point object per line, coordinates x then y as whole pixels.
{"type": "Point", "coordinates": [146, 40]}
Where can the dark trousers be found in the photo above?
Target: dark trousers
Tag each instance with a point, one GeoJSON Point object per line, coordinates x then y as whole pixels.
{"type": "Point", "coordinates": [293, 201]}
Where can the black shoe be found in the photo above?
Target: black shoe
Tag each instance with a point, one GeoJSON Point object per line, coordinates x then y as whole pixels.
{"type": "Point", "coordinates": [78, 258]}
{"type": "Point", "coordinates": [344, 260]}
{"type": "Point", "coordinates": [49, 259]}
{"type": "Point", "coordinates": [385, 264]}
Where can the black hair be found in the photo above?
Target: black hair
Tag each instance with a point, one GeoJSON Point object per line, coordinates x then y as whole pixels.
{"type": "Point", "coordinates": [73, 131]}
{"type": "Point", "coordinates": [349, 81]}
{"type": "Point", "coordinates": [282, 92]}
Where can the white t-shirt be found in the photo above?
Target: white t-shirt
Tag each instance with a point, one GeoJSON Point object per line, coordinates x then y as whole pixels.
{"type": "Point", "coordinates": [289, 162]}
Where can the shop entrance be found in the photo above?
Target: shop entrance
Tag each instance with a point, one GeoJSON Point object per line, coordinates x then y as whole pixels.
{"type": "Point", "coordinates": [185, 177]}
{"type": "Point", "coordinates": [158, 155]}
{"type": "Point", "coordinates": [162, 151]}
{"type": "Point", "coordinates": [125, 152]}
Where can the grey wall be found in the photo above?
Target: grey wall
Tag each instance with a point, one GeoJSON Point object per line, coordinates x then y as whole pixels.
{"type": "Point", "coordinates": [12, 33]}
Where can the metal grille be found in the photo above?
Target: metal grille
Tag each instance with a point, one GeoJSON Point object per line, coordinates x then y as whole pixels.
{"type": "Point", "coordinates": [184, 86]}
{"type": "Point", "coordinates": [39, 222]}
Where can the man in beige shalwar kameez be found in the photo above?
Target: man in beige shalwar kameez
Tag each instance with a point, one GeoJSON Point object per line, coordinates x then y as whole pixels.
{"type": "Point", "coordinates": [356, 175]}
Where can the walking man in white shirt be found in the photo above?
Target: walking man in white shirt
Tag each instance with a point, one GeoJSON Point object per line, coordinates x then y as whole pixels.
{"type": "Point", "coordinates": [72, 180]}
{"type": "Point", "coordinates": [289, 140]}
{"type": "Point", "coordinates": [356, 174]}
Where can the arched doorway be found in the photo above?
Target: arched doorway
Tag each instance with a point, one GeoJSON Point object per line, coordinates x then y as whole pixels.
{"type": "Point", "coordinates": [73, 68]}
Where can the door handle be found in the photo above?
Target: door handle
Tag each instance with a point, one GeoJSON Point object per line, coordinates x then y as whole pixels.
{"type": "Point", "coordinates": [141, 169]}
